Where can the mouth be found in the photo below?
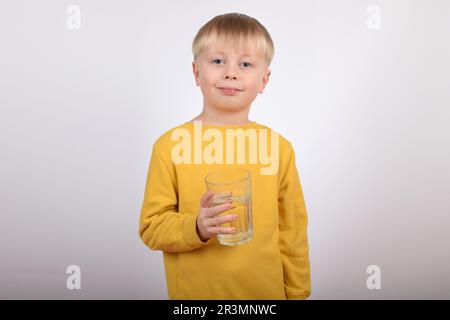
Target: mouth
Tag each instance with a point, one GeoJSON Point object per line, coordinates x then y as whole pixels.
{"type": "Point", "coordinates": [229, 90]}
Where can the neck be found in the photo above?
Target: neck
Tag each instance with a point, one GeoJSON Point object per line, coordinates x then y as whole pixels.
{"type": "Point", "coordinates": [220, 117]}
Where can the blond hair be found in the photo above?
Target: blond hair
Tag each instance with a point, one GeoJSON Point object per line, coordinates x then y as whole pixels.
{"type": "Point", "coordinates": [236, 28]}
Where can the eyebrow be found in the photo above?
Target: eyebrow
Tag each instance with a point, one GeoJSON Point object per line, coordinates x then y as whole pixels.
{"type": "Point", "coordinates": [220, 52]}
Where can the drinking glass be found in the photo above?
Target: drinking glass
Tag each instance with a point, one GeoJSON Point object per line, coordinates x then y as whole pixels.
{"type": "Point", "coordinates": [230, 183]}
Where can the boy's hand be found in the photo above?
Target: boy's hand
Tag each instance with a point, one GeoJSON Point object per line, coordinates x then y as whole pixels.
{"type": "Point", "coordinates": [207, 222]}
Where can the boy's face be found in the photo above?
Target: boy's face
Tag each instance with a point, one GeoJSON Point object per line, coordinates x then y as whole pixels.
{"type": "Point", "coordinates": [219, 68]}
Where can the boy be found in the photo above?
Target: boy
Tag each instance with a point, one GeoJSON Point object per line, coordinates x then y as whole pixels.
{"type": "Point", "coordinates": [232, 54]}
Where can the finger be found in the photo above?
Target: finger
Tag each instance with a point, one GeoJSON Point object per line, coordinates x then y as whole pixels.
{"type": "Point", "coordinates": [205, 198]}
{"type": "Point", "coordinates": [220, 220]}
{"type": "Point", "coordinates": [213, 211]}
{"type": "Point", "coordinates": [221, 197]}
{"type": "Point", "coordinates": [220, 230]}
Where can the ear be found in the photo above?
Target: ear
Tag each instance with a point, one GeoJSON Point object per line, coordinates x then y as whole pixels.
{"type": "Point", "coordinates": [195, 71]}
{"type": "Point", "coordinates": [264, 81]}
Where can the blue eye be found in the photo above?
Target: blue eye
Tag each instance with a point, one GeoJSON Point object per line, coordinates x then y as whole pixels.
{"type": "Point", "coordinates": [248, 64]}
{"type": "Point", "coordinates": [245, 64]}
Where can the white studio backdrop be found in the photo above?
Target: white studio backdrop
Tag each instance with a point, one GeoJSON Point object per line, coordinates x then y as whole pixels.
{"type": "Point", "coordinates": [361, 88]}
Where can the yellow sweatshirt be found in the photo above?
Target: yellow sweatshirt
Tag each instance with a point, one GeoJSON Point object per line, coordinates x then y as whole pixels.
{"type": "Point", "coordinates": [274, 264]}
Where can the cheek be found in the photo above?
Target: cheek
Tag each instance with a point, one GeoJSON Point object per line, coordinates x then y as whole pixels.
{"type": "Point", "coordinates": [209, 76]}
{"type": "Point", "coordinates": [253, 83]}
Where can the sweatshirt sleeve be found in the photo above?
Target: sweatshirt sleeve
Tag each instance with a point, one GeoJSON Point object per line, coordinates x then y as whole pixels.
{"type": "Point", "coordinates": [293, 239]}
{"type": "Point", "coordinates": [161, 227]}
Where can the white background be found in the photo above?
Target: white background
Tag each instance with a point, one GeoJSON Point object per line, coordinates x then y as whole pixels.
{"type": "Point", "coordinates": [367, 112]}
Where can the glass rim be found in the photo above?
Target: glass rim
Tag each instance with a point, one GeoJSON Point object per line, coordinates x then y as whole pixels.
{"type": "Point", "coordinates": [247, 172]}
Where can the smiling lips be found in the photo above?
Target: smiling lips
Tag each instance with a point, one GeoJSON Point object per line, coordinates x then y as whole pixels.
{"type": "Point", "coordinates": [230, 90]}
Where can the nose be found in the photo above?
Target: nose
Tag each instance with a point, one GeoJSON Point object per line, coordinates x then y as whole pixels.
{"type": "Point", "coordinates": [230, 73]}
